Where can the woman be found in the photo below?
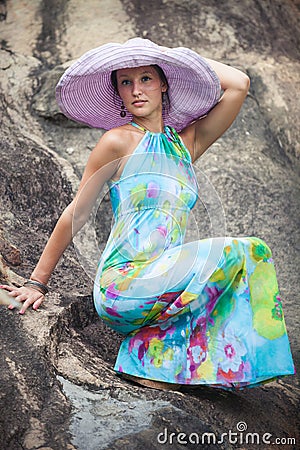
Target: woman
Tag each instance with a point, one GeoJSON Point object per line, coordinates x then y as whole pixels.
{"type": "Point", "coordinates": [202, 313]}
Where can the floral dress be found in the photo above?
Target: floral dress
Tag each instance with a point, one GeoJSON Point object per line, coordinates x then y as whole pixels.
{"type": "Point", "coordinates": [206, 312]}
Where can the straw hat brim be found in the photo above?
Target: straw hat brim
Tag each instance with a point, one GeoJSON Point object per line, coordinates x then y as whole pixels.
{"type": "Point", "coordinates": [85, 93]}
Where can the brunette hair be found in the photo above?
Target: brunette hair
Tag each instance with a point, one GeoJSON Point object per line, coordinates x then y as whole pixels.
{"type": "Point", "coordinates": [162, 76]}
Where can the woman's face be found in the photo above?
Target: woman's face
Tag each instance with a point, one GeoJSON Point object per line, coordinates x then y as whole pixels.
{"type": "Point", "coordinates": [141, 89]}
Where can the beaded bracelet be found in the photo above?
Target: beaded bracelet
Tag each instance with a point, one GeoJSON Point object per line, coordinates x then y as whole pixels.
{"type": "Point", "coordinates": [42, 288]}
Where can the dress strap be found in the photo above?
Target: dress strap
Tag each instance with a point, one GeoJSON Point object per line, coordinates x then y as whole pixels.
{"type": "Point", "coordinates": [139, 127]}
{"type": "Point", "coordinates": [172, 134]}
{"type": "Point", "coordinates": [145, 130]}
{"type": "Point", "coordinates": [169, 132]}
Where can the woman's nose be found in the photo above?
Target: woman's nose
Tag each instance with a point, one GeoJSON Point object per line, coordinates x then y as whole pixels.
{"type": "Point", "coordinates": [136, 88]}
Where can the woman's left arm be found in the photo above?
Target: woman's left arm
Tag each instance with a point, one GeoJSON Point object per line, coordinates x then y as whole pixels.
{"type": "Point", "coordinates": [204, 132]}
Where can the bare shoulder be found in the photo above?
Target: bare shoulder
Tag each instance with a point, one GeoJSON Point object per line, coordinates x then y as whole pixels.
{"type": "Point", "coordinates": [111, 141]}
{"type": "Point", "coordinates": [115, 142]}
{"type": "Point", "coordinates": [116, 145]}
{"type": "Point", "coordinates": [110, 151]}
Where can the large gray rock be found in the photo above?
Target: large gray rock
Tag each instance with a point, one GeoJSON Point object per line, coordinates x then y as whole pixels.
{"type": "Point", "coordinates": [58, 389]}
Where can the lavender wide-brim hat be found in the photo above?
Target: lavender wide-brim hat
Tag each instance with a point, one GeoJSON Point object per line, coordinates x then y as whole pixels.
{"type": "Point", "coordinates": [85, 92]}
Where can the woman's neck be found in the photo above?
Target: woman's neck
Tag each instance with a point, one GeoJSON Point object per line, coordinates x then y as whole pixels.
{"type": "Point", "coordinates": [154, 126]}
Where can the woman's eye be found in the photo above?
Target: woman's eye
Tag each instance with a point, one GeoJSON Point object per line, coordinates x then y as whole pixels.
{"type": "Point", "coordinates": [125, 82]}
{"type": "Point", "coordinates": [146, 78]}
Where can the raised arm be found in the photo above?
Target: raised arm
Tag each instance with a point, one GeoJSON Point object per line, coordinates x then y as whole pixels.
{"type": "Point", "coordinates": [101, 166]}
{"type": "Point", "coordinates": [204, 132]}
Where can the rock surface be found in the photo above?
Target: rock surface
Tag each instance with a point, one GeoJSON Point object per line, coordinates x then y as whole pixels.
{"type": "Point", "coordinates": [58, 390]}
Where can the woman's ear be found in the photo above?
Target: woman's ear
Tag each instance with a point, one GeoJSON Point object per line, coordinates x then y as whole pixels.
{"type": "Point", "coordinates": [164, 87]}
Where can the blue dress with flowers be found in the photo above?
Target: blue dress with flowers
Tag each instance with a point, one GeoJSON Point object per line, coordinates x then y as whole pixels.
{"type": "Point", "coordinates": [206, 312]}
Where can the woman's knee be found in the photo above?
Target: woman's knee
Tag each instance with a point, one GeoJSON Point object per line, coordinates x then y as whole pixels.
{"type": "Point", "coordinates": [234, 252]}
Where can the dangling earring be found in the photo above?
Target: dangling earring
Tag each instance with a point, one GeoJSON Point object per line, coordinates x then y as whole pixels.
{"type": "Point", "coordinates": [123, 112]}
{"type": "Point", "coordinates": [165, 101]}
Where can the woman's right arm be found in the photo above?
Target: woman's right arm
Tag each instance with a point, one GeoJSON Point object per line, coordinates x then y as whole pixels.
{"type": "Point", "coordinates": [102, 164]}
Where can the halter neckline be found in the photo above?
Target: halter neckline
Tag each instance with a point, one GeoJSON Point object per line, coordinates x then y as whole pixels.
{"type": "Point", "coordinates": [145, 130]}
{"type": "Point", "coordinates": [168, 132]}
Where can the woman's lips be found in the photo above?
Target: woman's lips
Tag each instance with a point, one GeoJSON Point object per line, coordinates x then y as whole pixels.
{"type": "Point", "coordinates": [139, 103]}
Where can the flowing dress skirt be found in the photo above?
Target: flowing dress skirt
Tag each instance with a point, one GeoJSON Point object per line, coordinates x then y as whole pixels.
{"type": "Point", "coordinates": [206, 312]}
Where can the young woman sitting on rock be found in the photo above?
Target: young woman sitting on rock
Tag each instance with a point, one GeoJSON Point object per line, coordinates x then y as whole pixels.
{"type": "Point", "coordinates": [206, 312]}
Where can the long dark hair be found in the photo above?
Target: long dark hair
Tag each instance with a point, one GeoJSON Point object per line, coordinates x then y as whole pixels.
{"type": "Point", "coordinates": [162, 76]}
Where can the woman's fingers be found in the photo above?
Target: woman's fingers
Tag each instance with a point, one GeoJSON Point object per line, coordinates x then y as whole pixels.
{"type": "Point", "coordinates": [21, 297]}
{"type": "Point", "coordinates": [31, 299]}
{"type": "Point", "coordinates": [25, 305]}
{"type": "Point", "coordinates": [8, 288]}
{"type": "Point", "coordinates": [38, 303]}
{"type": "Point", "coordinates": [6, 299]}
